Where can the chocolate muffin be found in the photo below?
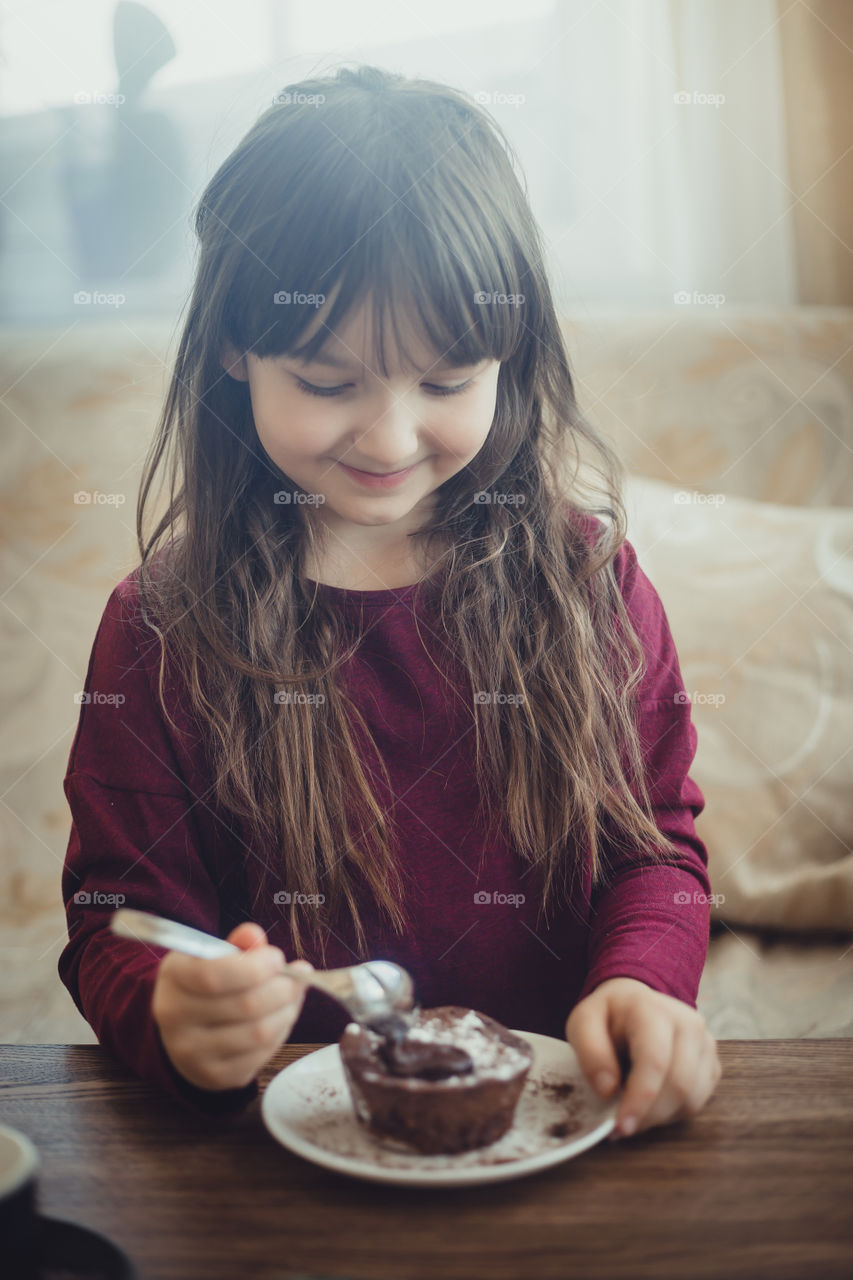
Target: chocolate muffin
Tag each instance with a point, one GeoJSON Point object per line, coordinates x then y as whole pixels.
{"type": "Point", "coordinates": [451, 1084]}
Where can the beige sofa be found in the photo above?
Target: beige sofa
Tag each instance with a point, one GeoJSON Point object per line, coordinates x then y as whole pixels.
{"type": "Point", "coordinates": [737, 428]}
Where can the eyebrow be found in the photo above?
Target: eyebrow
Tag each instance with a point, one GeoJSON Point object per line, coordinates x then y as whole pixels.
{"type": "Point", "coordinates": [331, 361]}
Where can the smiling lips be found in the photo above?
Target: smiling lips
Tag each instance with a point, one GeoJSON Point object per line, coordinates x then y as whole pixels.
{"type": "Point", "coordinates": [377, 480]}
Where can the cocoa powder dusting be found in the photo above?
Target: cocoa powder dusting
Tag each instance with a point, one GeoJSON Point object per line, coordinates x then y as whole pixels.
{"type": "Point", "coordinates": [550, 1112]}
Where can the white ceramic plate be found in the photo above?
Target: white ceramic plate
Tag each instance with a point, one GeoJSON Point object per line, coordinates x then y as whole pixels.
{"type": "Point", "coordinates": [308, 1108]}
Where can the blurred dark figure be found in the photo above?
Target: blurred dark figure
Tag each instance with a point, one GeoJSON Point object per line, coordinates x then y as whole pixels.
{"type": "Point", "coordinates": [123, 164]}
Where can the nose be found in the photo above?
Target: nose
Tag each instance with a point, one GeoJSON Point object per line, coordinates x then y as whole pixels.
{"type": "Point", "coordinates": [392, 440]}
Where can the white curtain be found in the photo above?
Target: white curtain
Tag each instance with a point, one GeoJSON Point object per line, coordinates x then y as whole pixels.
{"type": "Point", "coordinates": [651, 134]}
{"type": "Point", "coordinates": [671, 178]}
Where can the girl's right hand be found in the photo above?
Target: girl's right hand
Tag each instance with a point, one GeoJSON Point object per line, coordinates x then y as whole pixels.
{"type": "Point", "coordinates": [222, 1020]}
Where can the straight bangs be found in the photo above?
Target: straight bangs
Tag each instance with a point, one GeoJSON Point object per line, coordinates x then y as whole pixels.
{"type": "Point", "coordinates": [399, 245]}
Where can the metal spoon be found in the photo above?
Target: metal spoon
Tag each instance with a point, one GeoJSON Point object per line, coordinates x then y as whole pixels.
{"type": "Point", "coordinates": [378, 993]}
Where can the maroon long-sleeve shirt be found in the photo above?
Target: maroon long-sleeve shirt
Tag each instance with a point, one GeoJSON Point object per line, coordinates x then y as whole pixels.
{"type": "Point", "coordinates": [145, 827]}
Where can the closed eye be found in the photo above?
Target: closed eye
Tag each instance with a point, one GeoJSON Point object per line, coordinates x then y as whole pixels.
{"type": "Point", "coordinates": [311, 390]}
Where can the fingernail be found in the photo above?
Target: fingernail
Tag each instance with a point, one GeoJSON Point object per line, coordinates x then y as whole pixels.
{"type": "Point", "coordinates": [604, 1081]}
{"type": "Point", "coordinates": [629, 1124]}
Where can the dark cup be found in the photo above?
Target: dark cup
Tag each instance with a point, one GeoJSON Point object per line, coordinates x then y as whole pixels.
{"type": "Point", "coordinates": [19, 1169]}
{"type": "Point", "coordinates": [33, 1247]}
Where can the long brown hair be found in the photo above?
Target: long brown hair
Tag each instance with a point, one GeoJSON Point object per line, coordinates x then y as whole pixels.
{"type": "Point", "coordinates": [401, 194]}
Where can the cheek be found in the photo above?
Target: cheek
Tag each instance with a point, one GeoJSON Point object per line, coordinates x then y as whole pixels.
{"type": "Point", "coordinates": [470, 425]}
{"type": "Point", "coordinates": [292, 422]}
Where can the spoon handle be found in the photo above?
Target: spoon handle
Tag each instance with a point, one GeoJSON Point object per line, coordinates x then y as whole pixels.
{"type": "Point", "coordinates": [145, 927]}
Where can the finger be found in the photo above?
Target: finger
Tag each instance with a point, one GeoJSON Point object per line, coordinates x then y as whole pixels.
{"type": "Point", "coordinates": [683, 1091]}
{"type": "Point", "coordinates": [588, 1034]}
{"type": "Point", "coordinates": [707, 1076]}
{"type": "Point", "coordinates": [235, 1072]}
{"type": "Point", "coordinates": [649, 1040]}
{"type": "Point", "coordinates": [232, 1072]}
{"type": "Point", "coordinates": [244, 1006]}
{"type": "Point", "coordinates": [226, 975]}
{"type": "Point", "coordinates": [247, 935]}
{"type": "Point", "coordinates": [694, 1075]}
{"type": "Point", "coordinates": [262, 1036]}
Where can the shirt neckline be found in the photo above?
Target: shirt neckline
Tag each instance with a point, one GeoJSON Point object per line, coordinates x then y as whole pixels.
{"type": "Point", "coordinates": [370, 596]}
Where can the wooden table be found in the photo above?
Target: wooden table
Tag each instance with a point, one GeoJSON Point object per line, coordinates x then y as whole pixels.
{"type": "Point", "coordinates": [760, 1183]}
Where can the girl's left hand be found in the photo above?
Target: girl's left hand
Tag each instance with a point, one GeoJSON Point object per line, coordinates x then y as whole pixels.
{"type": "Point", "coordinates": [667, 1048]}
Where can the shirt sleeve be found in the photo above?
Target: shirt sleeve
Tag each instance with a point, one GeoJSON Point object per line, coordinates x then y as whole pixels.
{"type": "Point", "coordinates": [651, 921]}
{"type": "Point", "coordinates": [133, 842]}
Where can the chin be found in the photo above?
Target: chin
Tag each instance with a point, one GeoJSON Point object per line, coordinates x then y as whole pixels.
{"type": "Point", "coordinates": [373, 519]}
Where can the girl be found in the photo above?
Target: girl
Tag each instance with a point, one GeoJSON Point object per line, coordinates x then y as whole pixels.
{"type": "Point", "coordinates": [393, 683]}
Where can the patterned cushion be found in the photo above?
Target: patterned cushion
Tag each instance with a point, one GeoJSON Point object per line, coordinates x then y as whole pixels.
{"type": "Point", "coordinates": [744, 401]}
{"type": "Point", "coordinates": [760, 602]}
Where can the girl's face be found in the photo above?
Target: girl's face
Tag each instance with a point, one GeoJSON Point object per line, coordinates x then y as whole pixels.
{"type": "Point", "coordinates": [326, 422]}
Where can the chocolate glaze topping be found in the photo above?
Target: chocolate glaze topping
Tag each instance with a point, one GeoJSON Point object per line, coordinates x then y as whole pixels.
{"type": "Point", "coordinates": [407, 1057]}
{"type": "Point", "coordinates": [404, 1056]}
